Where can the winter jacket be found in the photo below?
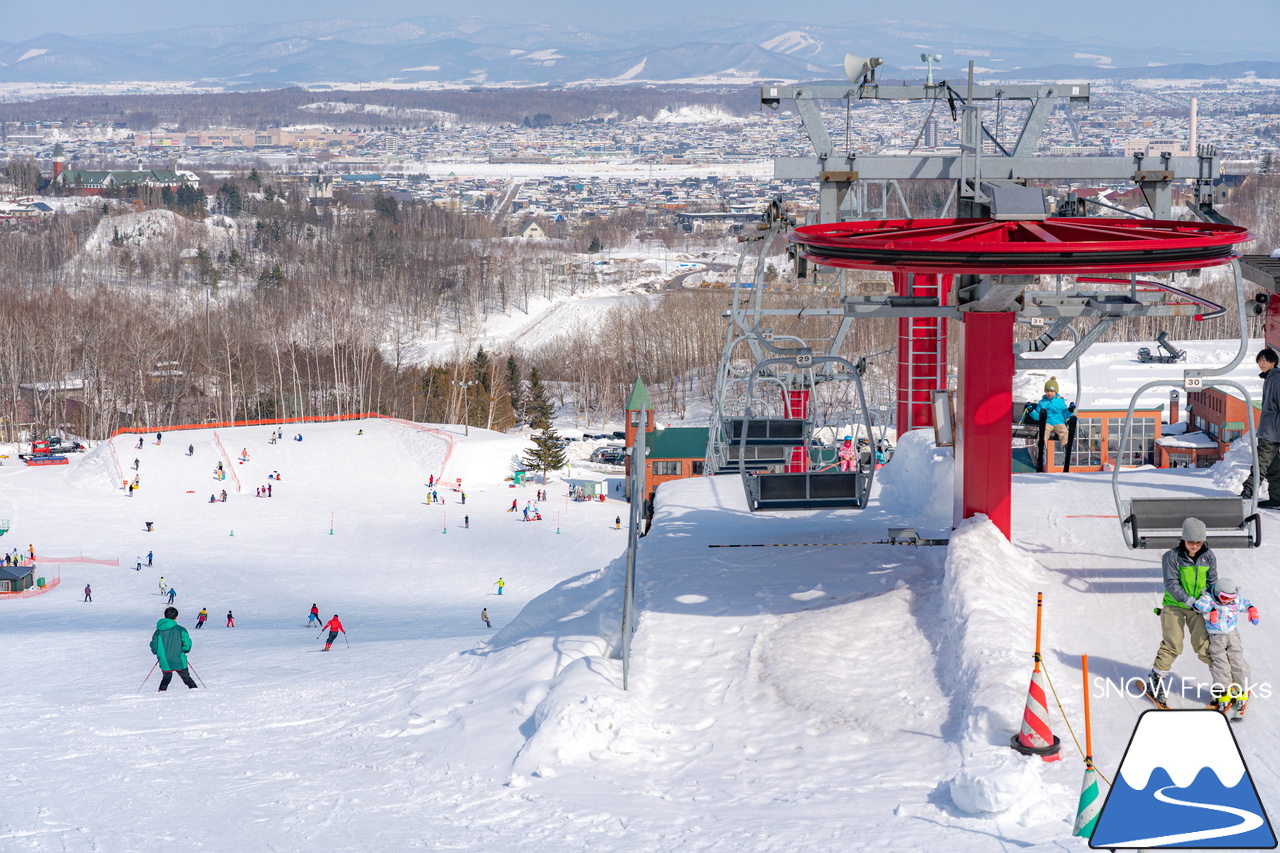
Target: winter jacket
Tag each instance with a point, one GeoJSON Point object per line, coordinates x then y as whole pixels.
{"type": "Point", "coordinates": [1228, 614]}
{"type": "Point", "coordinates": [1186, 577]}
{"type": "Point", "coordinates": [1269, 422]}
{"type": "Point", "coordinates": [1055, 410]}
{"type": "Point", "coordinates": [169, 644]}
{"type": "Point", "coordinates": [334, 625]}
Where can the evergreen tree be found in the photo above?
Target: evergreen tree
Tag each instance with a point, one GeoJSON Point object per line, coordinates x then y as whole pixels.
{"type": "Point", "coordinates": [547, 453]}
{"type": "Point", "coordinates": [515, 386]}
{"type": "Point", "coordinates": [539, 407]}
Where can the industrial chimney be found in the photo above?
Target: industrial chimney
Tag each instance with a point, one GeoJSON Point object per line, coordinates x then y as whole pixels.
{"type": "Point", "coordinates": [1194, 116]}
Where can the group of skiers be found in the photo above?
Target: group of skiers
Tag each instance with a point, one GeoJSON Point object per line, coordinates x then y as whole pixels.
{"type": "Point", "coordinates": [14, 557]}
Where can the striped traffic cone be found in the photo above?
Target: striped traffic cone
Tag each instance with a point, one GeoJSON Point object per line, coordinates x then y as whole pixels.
{"type": "Point", "coordinates": [1036, 738]}
{"type": "Point", "coordinates": [1090, 803]}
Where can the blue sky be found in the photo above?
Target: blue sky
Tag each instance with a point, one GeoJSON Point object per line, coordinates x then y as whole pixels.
{"type": "Point", "coordinates": [1166, 22]}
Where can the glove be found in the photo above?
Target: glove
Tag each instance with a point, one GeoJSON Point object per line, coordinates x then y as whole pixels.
{"type": "Point", "coordinates": [1071, 408]}
{"type": "Point", "coordinates": [1213, 618]}
{"type": "Point", "coordinates": [1253, 615]}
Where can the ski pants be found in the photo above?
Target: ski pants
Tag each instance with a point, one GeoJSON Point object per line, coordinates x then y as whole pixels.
{"type": "Point", "coordinates": [333, 635]}
{"type": "Point", "coordinates": [1230, 672]}
{"type": "Point", "coordinates": [200, 624]}
{"type": "Point", "coordinates": [1174, 621]}
{"type": "Point", "coordinates": [168, 676]}
{"type": "Point", "coordinates": [1057, 432]}
{"type": "Point", "coordinates": [1268, 469]}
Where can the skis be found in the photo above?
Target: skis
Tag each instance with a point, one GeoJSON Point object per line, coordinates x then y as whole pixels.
{"type": "Point", "coordinates": [1146, 691]}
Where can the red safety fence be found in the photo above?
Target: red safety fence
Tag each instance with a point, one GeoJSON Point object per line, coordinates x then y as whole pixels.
{"type": "Point", "coordinates": [80, 559]}
{"type": "Point", "coordinates": [231, 465]}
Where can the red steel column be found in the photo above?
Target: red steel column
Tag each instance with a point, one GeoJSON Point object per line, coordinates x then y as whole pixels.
{"type": "Point", "coordinates": [797, 403]}
{"type": "Point", "coordinates": [922, 350]}
{"type": "Point", "coordinates": [984, 458]}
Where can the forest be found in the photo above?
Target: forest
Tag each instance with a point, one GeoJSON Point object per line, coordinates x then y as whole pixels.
{"type": "Point", "coordinates": [139, 312]}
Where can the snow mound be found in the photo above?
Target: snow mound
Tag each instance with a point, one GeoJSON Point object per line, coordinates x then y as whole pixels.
{"type": "Point", "coordinates": [696, 115]}
{"type": "Point", "coordinates": [1232, 470]}
{"type": "Point", "coordinates": [159, 228]}
{"type": "Point", "coordinates": [989, 593]}
{"type": "Point", "coordinates": [97, 470]}
{"type": "Point", "coordinates": [917, 481]}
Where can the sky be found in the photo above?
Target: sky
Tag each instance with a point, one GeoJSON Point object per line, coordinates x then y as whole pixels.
{"type": "Point", "coordinates": [1126, 23]}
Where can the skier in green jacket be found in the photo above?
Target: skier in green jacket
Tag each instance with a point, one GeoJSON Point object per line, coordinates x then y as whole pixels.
{"type": "Point", "coordinates": [170, 644]}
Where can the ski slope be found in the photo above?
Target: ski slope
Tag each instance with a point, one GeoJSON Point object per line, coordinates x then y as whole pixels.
{"type": "Point", "coordinates": [833, 696]}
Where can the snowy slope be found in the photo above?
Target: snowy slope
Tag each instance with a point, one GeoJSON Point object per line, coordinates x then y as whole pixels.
{"type": "Point", "coordinates": [832, 695]}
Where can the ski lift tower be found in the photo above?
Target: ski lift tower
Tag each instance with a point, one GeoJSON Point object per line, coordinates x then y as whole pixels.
{"type": "Point", "coordinates": [1000, 240]}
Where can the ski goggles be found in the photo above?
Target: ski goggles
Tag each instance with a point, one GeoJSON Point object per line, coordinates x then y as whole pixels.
{"type": "Point", "coordinates": [1227, 597]}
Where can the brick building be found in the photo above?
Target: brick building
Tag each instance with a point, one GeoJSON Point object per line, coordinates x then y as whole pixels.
{"type": "Point", "coordinates": [675, 453]}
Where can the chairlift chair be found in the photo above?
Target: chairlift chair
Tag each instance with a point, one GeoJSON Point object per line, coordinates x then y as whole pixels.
{"type": "Point", "coordinates": [1231, 521]}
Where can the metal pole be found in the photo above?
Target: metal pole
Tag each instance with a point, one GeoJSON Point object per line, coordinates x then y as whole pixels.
{"type": "Point", "coordinates": [638, 497]}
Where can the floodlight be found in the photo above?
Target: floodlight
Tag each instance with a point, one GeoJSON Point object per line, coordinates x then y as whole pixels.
{"type": "Point", "coordinates": [857, 68]}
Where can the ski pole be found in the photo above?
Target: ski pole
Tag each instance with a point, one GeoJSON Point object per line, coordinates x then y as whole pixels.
{"type": "Point", "coordinates": [144, 681]}
{"type": "Point", "coordinates": [344, 637]}
{"type": "Point", "coordinates": [196, 674]}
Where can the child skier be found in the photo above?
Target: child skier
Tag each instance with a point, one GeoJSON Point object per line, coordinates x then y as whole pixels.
{"type": "Point", "coordinates": [173, 593]}
{"type": "Point", "coordinates": [170, 643]}
{"type": "Point", "coordinates": [1222, 608]}
{"type": "Point", "coordinates": [500, 584]}
{"type": "Point", "coordinates": [203, 615]}
{"type": "Point", "coordinates": [334, 627]}
{"type": "Point", "coordinates": [164, 587]}
{"type": "Point", "coordinates": [231, 620]}
{"type": "Point", "coordinates": [847, 454]}
{"type": "Point", "coordinates": [314, 617]}
{"type": "Point", "coordinates": [88, 593]}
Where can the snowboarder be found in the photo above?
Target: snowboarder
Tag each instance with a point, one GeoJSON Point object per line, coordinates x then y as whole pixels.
{"type": "Point", "coordinates": [334, 627]}
{"type": "Point", "coordinates": [139, 447]}
{"type": "Point", "coordinates": [88, 593]}
{"type": "Point", "coordinates": [617, 522]}
{"type": "Point", "coordinates": [149, 556]}
{"type": "Point", "coordinates": [191, 450]}
{"type": "Point", "coordinates": [231, 620]}
{"type": "Point", "coordinates": [1223, 606]}
{"type": "Point", "coordinates": [466, 522]}
{"type": "Point", "coordinates": [164, 587]}
{"type": "Point", "coordinates": [149, 525]}
{"type": "Point", "coordinates": [213, 499]}
{"type": "Point", "coordinates": [1189, 569]}
{"type": "Point", "coordinates": [170, 644]}
{"type": "Point", "coordinates": [244, 454]}
{"type": "Point", "coordinates": [484, 617]}
{"type": "Point", "coordinates": [136, 463]}
{"type": "Point", "coordinates": [173, 593]}
{"type": "Point", "coordinates": [360, 432]}
{"type": "Point", "coordinates": [431, 481]}
{"type": "Point", "coordinates": [298, 437]}
{"type": "Point", "coordinates": [203, 615]}
{"type": "Point", "coordinates": [159, 436]}
{"type": "Point", "coordinates": [314, 617]}
{"type": "Point", "coordinates": [514, 504]}
{"type": "Point", "coordinates": [500, 584]}
{"type": "Point", "coordinates": [464, 498]}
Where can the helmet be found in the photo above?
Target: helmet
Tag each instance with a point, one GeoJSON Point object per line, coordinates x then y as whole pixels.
{"type": "Point", "coordinates": [1226, 590]}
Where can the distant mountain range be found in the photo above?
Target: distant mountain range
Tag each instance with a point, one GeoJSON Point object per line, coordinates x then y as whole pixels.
{"type": "Point", "coordinates": [487, 51]}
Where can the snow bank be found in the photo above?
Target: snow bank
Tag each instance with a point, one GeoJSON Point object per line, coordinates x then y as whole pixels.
{"type": "Point", "coordinates": [1231, 471]}
{"type": "Point", "coordinates": [989, 594]}
{"type": "Point", "coordinates": [917, 481]}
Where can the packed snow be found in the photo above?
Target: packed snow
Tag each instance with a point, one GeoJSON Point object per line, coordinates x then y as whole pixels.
{"type": "Point", "coordinates": [839, 693]}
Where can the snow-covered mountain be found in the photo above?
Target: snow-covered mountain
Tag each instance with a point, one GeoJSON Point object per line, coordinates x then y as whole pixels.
{"type": "Point", "coordinates": [472, 49]}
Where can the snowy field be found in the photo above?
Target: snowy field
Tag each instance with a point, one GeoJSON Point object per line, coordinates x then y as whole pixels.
{"type": "Point", "coordinates": [835, 696]}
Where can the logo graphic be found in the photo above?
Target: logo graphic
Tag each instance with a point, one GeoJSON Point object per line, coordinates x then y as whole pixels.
{"type": "Point", "coordinates": [1183, 783]}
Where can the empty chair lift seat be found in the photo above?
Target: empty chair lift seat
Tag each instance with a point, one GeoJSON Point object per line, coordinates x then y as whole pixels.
{"type": "Point", "coordinates": [808, 490]}
{"type": "Point", "coordinates": [1157, 522]}
{"type": "Point", "coordinates": [766, 431]}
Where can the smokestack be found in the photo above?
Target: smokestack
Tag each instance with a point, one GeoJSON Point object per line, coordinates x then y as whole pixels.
{"type": "Point", "coordinates": [1194, 116]}
{"type": "Point", "coordinates": [1173, 407]}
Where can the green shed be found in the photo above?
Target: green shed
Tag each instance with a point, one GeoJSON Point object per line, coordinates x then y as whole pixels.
{"type": "Point", "coordinates": [17, 578]}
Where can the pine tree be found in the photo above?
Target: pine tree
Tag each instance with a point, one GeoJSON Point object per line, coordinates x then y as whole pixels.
{"type": "Point", "coordinates": [515, 386]}
{"type": "Point", "coordinates": [540, 409]}
{"type": "Point", "coordinates": [547, 453]}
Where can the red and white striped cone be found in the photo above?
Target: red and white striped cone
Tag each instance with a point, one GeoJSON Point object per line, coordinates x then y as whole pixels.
{"type": "Point", "coordinates": [1036, 738]}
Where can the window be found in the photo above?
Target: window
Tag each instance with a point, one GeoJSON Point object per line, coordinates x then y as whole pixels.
{"type": "Point", "coordinates": [635, 418]}
{"type": "Point", "coordinates": [666, 469]}
{"type": "Point", "coordinates": [1087, 450]}
{"type": "Point", "coordinates": [1141, 449]}
{"type": "Point", "coordinates": [698, 467]}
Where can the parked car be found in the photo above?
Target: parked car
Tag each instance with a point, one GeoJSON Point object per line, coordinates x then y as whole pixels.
{"type": "Point", "coordinates": [619, 434]}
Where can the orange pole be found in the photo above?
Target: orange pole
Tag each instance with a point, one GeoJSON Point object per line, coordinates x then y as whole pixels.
{"type": "Point", "coordinates": [1039, 619]}
{"type": "Point", "coordinates": [1088, 726]}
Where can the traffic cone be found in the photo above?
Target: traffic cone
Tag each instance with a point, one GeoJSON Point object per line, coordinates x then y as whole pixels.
{"type": "Point", "coordinates": [1036, 738]}
{"type": "Point", "coordinates": [1090, 803]}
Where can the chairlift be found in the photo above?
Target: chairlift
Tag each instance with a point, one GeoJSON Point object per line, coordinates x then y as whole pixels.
{"type": "Point", "coordinates": [1231, 521]}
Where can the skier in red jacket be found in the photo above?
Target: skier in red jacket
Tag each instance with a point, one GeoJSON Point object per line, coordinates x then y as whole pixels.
{"type": "Point", "coordinates": [334, 627]}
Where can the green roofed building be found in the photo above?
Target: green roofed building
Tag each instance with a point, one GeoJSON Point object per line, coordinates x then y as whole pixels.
{"type": "Point", "coordinates": [674, 453]}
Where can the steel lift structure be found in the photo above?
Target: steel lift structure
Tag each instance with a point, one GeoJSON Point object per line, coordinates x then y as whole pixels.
{"type": "Point", "coordinates": [981, 270]}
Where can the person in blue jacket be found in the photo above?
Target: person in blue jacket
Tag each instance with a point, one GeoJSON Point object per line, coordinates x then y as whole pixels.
{"type": "Point", "coordinates": [1055, 411]}
{"type": "Point", "coordinates": [170, 644]}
